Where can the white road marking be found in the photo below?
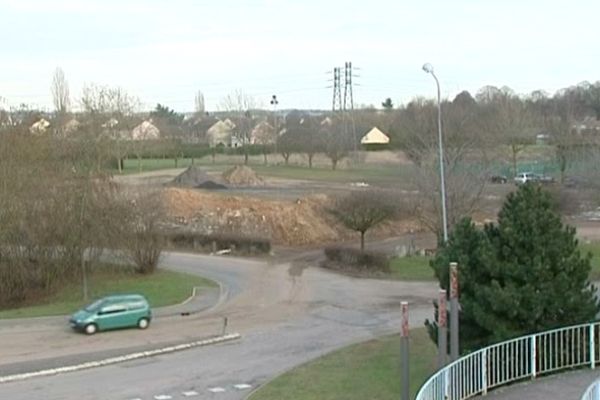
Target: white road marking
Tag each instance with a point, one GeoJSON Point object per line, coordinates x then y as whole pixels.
{"type": "Point", "coordinates": [118, 359]}
{"type": "Point", "coordinates": [163, 397]}
{"type": "Point", "coordinates": [242, 386]}
{"type": "Point", "coordinates": [216, 389]}
{"type": "Point", "coordinates": [190, 393]}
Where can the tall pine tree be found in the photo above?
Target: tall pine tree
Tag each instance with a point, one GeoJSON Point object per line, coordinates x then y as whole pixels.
{"type": "Point", "coordinates": [523, 275]}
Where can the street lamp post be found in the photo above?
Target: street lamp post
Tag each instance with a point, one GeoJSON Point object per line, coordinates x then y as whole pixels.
{"type": "Point", "coordinates": [274, 103]}
{"type": "Point", "coordinates": [428, 68]}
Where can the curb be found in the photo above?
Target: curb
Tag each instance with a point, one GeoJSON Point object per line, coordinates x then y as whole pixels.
{"type": "Point", "coordinates": [119, 359]}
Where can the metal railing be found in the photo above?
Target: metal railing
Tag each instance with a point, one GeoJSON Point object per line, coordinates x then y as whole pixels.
{"type": "Point", "coordinates": [513, 360]}
{"type": "Point", "coordinates": [592, 392]}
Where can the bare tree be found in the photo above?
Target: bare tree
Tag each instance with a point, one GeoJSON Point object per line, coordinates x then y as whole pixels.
{"type": "Point", "coordinates": [199, 105]}
{"type": "Point", "coordinates": [143, 240]}
{"type": "Point", "coordinates": [337, 140]}
{"type": "Point", "coordinates": [566, 108]}
{"type": "Point", "coordinates": [503, 114]}
{"type": "Point", "coordinates": [362, 210]}
{"type": "Point", "coordinates": [241, 105]}
{"type": "Point", "coordinates": [109, 113]}
{"type": "Point", "coordinates": [466, 158]}
{"type": "Point", "coordinates": [60, 92]}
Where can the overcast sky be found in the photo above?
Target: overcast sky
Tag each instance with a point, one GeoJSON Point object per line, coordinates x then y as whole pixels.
{"type": "Point", "coordinates": [164, 51]}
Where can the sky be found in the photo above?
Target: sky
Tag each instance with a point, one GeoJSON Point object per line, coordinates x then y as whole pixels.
{"type": "Point", "coordinates": [165, 51]}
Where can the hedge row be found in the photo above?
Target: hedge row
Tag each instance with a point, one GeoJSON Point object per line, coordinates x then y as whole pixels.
{"type": "Point", "coordinates": [355, 260]}
{"type": "Point", "coordinates": [212, 243]}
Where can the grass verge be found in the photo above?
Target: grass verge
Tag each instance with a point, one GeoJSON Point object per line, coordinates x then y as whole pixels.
{"type": "Point", "coordinates": [369, 370]}
{"type": "Point", "coordinates": [414, 268]}
{"type": "Point", "coordinates": [161, 288]}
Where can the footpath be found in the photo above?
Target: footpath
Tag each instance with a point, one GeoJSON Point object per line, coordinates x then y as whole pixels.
{"type": "Point", "coordinates": [563, 386]}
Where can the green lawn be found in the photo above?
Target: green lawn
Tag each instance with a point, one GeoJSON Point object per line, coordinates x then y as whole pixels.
{"type": "Point", "coordinates": [161, 288]}
{"type": "Point", "coordinates": [414, 268]}
{"type": "Point", "coordinates": [360, 172]}
{"type": "Point", "coordinates": [369, 370]}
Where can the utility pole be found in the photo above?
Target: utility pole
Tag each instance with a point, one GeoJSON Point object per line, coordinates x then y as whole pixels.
{"type": "Point", "coordinates": [274, 103]}
{"type": "Point", "coordinates": [337, 94]}
{"type": "Point", "coordinates": [349, 102]}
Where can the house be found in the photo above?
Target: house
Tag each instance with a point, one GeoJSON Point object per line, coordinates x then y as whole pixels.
{"type": "Point", "coordinates": [39, 126]}
{"type": "Point", "coordinates": [71, 126]}
{"type": "Point", "coordinates": [145, 131]}
{"type": "Point", "coordinates": [375, 136]}
{"type": "Point", "coordinates": [263, 133]}
{"type": "Point", "coordinates": [220, 133]}
{"type": "Point", "coordinates": [587, 126]}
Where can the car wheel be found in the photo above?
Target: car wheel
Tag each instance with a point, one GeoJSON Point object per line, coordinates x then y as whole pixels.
{"type": "Point", "coordinates": [90, 329]}
{"type": "Point", "coordinates": [143, 323]}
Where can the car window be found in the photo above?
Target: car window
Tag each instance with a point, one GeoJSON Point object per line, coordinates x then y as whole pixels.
{"type": "Point", "coordinates": [95, 306]}
{"type": "Point", "coordinates": [113, 309]}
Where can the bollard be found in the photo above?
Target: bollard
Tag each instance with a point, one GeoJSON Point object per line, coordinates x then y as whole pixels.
{"type": "Point", "coordinates": [442, 339]}
{"type": "Point", "coordinates": [404, 358]}
{"type": "Point", "coordinates": [454, 331]}
{"type": "Point", "coordinates": [225, 321]}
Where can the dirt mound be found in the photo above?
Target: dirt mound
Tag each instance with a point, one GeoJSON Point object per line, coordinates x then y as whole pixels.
{"type": "Point", "coordinates": [210, 185]}
{"type": "Point", "coordinates": [243, 176]}
{"type": "Point", "coordinates": [191, 177]}
{"type": "Point", "coordinates": [285, 222]}
{"type": "Point", "coordinates": [304, 221]}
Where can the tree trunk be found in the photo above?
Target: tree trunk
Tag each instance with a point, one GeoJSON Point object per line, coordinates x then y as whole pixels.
{"type": "Point", "coordinates": [265, 157]}
{"type": "Point", "coordinates": [286, 158]}
{"type": "Point", "coordinates": [310, 157]}
{"type": "Point", "coordinates": [245, 156]}
{"type": "Point", "coordinates": [139, 163]}
{"type": "Point", "coordinates": [334, 162]}
{"type": "Point", "coordinates": [362, 241]}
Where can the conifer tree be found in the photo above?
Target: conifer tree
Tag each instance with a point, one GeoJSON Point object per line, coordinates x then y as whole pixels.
{"type": "Point", "coordinates": [525, 274]}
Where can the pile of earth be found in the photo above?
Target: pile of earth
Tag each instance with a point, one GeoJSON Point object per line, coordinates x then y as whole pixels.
{"type": "Point", "coordinates": [196, 178]}
{"type": "Point", "coordinates": [242, 175]}
{"type": "Point", "coordinates": [305, 221]}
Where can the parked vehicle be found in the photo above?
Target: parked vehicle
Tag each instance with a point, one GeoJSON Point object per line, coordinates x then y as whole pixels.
{"type": "Point", "coordinates": [525, 177]}
{"type": "Point", "coordinates": [545, 179]}
{"type": "Point", "coordinates": [113, 312]}
{"type": "Point", "coordinates": [498, 179]}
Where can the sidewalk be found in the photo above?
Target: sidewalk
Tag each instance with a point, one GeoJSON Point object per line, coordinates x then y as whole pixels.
{"type": "Point", "coordinates": [563, 386]}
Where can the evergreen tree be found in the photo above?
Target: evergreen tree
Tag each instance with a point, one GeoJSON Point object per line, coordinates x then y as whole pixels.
{"type": "Point", "coordinates": [523, 275]}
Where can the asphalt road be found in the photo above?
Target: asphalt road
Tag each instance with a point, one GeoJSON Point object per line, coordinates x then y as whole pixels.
{"type": "Point", "coordinates": [286, 313]}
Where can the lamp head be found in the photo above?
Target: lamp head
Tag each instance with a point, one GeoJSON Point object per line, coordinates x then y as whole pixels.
{"type": "Point", "coordinates": [428, 68]}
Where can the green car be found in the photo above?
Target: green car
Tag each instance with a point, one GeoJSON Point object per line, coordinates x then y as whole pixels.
{"type": "Point", "coordinates": [113, 312]}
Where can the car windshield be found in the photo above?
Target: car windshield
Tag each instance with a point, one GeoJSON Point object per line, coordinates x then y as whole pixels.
{"type": "Point", "coordinates": [95, 306]}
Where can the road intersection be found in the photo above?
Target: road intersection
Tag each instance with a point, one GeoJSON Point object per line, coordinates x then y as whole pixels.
{"type": "Point", "coordinates": [287, 313]}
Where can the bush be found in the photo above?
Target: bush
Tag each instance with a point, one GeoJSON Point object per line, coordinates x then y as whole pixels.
{"type": "Point", "coordinates": [215, 242]}
{"type": "Point", "coordinates": [354, 260]}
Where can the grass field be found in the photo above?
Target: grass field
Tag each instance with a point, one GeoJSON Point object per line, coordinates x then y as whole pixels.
{"type": "Point", "coordinates": [359, 172]}
{"type": "Point", "coordinates": [161, 288]}
{"type": "Point", "coordinates": [369, 370]}
{"type": "Point", "coordinates": [414, 268]}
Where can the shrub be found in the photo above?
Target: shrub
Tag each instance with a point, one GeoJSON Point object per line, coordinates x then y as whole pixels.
{"type": "Point", "coordinates": [214, 242]}
{"type": "Point", "coordinates": [355, 260]}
